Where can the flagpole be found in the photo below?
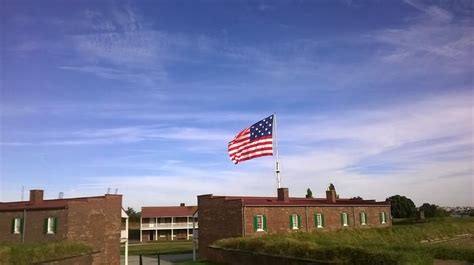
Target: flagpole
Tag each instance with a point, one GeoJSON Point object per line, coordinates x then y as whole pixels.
{"type": "Point", "coordinates": [277, 163]}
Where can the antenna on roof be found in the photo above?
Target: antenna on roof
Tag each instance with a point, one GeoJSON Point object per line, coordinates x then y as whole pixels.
{"type": "Point", "coordinates": [60, 195]}
{"type": "Point", "coordinates": [116, 190]}
{"type": "Point", "coordinates": [22, 192]}
{"type": "Point", "coordinates": [108, 190]}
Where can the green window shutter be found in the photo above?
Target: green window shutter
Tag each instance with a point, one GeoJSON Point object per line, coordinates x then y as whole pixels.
{"type": "Point", "coordinates": [315, 220]}
{"type": "Point", "coordinates": [360, 217]}
{"type": "Point", "coordinates": [45, 226]}
{"type": "Point", "coordinates": [380, 217]}
{"type": "Point", "coordinates": [55, 224]}
{"type": "Point", "coordinates": [264, 223]}
{"type": "Point", "coordinates": [13, 225]}
{"type": "Point", "coordinates": [342, 219]}
{"type": "Point", "coordinates": [299, 221]}
{"type": "Point", "coordinates": [366, 218]}
{"type": "Point", "coordinates": [291, 221]}
{"type": "Point", "coordinates": [323, 223]}
{"type": "Point", "coordinates": [347, 218]}
{"type": "Point", "coordinates": [254, 223]}
{"type": "Point", "coordinates": [21, 226]}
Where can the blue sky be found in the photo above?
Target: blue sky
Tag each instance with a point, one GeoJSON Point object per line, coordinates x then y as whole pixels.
{"type": "Point", "coordinates": [373, 96]}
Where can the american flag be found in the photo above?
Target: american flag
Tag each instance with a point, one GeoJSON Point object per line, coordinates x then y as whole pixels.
{"type": "Point", "coordinates": [254, 141]}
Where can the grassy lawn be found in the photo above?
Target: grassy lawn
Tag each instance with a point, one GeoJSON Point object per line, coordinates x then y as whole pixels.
{"type": "Point", "coordinates": [394, 245]}
{"type": "Point", "coordinates": [199, 262]}
{"type": "Point", "coordinates": [28, 253]}
{"type": "Point", "coordinates": [168, 247]}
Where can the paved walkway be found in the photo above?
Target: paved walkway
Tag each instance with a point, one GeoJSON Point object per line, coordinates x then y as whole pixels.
{"type": "Point", "coordinates": [164, 259]}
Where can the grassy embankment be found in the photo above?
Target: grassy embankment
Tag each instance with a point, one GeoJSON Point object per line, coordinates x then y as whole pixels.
{"type": "Point", "coordinates": [394, 245]}
{"type": "Point", "coordinates": [29, 253]}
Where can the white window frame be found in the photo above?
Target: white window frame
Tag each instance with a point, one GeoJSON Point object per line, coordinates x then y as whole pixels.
{"type": "Point", "coordinates": [363, 220]}
{"type": "Point", "coordinates": [50, 226]}
{"type": "Point", "coordinates": [319, 220]}
{"type": "Point", "coordinates": [17, 226]}
{"type": "Point", "coordinates": [294, 218]}
{"type": "Point", "coordinates": [260, 223]}
{"type": "Point", "coordinates": [344, 219]}
{"type": "Point", "coordinates": [384, 218]}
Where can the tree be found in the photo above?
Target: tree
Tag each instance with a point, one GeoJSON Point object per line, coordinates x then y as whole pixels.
{"type": "Point", "coordinates": [433, 210]}
{"type": "Point", "coordinates": [331, 187]}
{"type": "Point", "coordinates": [402, 207]}
{"type": "Point", "coordinates": [309, 193]}
{"type": "Point", "coordinates": [133, 216]}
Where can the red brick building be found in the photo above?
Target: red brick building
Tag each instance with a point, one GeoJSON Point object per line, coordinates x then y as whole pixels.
{"type": "Point", "coordinates": [95, 221]}
{"type": "Point", "coordinates": [167, 223]}
{"type": "Point", "coordinates": [230, 216]}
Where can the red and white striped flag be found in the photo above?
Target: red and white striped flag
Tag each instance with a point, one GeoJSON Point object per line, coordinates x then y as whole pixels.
{"type": "Point", "coordinates": [254, 141]}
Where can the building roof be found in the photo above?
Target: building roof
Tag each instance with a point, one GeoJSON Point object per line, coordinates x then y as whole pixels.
{"type": "Point", "coordinates": [294, 201]}
{"type": "Point", "coordinates": [168, 211]}
{"type": "Point", "coordinates": [44, 204]}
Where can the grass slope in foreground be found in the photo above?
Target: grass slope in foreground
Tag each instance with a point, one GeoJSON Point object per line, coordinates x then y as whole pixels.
{"type": "Point", "coordinates": [393, 245]}
{"type": "Point", "coordinates": [28, 253]}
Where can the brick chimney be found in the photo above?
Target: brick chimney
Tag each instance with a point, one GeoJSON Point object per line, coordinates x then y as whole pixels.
{"type": "Point", "coordinates": [283, 195]}
{"type": "Point", "coordinates": [36, 196]}
{"type": "Point", "coordinates": [182, 204]}
{"type": "Point", "coordinates": [331, 196]}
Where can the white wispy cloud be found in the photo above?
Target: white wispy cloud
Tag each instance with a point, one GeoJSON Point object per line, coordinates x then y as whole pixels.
{"type": "Point", "coordinates": [422, 150]}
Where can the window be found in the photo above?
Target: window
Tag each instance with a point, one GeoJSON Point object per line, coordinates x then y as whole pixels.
{"type": "Point", "coordinates": [295, 221]}
{"type": "Point", "coordinates": [383, 218]}
{"type": "Point", "coordinates": [17, 225]}
{"type": "Point", "coordinates": [319, 218]}
{"type": "Point", "coordinates": [50, 225]}
{"type": "Point", "coordinates": [363, 218]}
{"type": "Point", "coordinates": [344, 219]}
{"type": "Point", "coordinates": [259, 223]}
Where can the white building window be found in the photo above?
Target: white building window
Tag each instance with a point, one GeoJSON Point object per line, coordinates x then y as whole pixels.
{"type": "Point", "coordinates": [319, 220]}
{"type": "Point", "coordinates": [363, 218]}
{"type": "Point", "coordinates": [260, 223]}
{"type": "Point", "coordinates": [344, 220]}
{"type": "Point", "coordinates": [383, 218]}
{"type": "Point", "coordinates": [17, 226]}
{"type": "Point", "coordinates": [51, 225]}
{"type": "Point", "coordinates": [294, 221]}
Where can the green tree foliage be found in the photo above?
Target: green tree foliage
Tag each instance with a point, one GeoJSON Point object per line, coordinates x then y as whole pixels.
{"type": "Point", "coordinates": [402, 207]}
{"type": "Point", "coordinates": [133, 216]}
{"type": "Point", "coordinates": [433, 210]}
{"type": "Point", "coordinates": [331, 187]}
{"type": "Point", "coordinates": [309, 193]}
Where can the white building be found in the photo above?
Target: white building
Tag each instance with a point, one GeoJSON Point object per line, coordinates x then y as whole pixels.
{"type": "Point", "coordinates": [167, 223]}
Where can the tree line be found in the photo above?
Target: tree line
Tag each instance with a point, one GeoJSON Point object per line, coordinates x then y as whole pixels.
{"type": "Point", "coordinates": [403, 207]}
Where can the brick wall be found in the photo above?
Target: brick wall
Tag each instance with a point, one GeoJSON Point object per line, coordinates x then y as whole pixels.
{"type": "Point", "coordinates": [278, 217]}
{"type": "Point", "coordinates": [34, 225]}
{"type": "Point", "coordinates": [218, 218]}
{"type": "Point", "coordinates": [97, 223]}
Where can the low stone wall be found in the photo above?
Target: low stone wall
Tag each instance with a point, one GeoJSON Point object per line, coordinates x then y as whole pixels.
{"type": "Point", "coordinates": [83, 259]}
{"type": "Point", "coordinates": [238, 257]}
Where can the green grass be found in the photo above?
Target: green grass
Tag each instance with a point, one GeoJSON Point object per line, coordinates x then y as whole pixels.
{"type": "Point", "coordinates": [198, 262]}
{"type": "Point", "coordinates": [28, 253]}
{"type": "Point", "coordinates": [394, 245]}
{"type": "Point", "coordinates": [169, 247]}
